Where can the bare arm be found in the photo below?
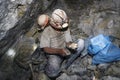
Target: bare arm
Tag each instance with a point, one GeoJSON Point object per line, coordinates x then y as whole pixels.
{"type": "Point", "coordinates": [62, 52]}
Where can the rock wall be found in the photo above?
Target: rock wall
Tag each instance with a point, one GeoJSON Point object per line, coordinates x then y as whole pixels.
{"type": "Point", "coordinates": [11, 12]}
{"type": "Point", "coordinates": [17, 18]}
{"type": "Point", "coordinates": [102, 17]}
{"type": "Point", "coordinates": [22, 24]}
{"type": "Point", "coordinates": [87, 18]}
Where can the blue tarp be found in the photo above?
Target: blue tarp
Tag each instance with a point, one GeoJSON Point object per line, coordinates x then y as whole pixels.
{"type": "Point", "coordinates": [103, 50]}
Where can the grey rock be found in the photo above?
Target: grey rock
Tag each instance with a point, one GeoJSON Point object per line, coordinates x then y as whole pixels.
{"type": "Point", "coordinates": [103, 66]}
{"type": "Point", "coordinates": [92, 67]}
{"type": "Point", "coordinates": [85, 20]}
{"type": "Point", "coordinates": [109, 78]}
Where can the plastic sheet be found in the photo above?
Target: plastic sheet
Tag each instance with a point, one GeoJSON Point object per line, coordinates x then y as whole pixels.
{"type": "Point", "coordinates": [103, 50]}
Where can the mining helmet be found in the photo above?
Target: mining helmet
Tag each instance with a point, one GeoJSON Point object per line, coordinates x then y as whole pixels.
{"type": "Point", "coordinates": [59, 19]}
{"type": "Point", "coordinates": [43, 20]}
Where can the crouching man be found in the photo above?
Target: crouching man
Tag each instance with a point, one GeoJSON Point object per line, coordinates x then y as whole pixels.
{"type": "Point", "coordinates": [54, 40]}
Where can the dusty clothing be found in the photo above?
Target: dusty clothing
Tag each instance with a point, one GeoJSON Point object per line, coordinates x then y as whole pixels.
{"type": "Point", "coordinates": [53, 65]}
{"type": "Point", "coordinates": [53, 39]}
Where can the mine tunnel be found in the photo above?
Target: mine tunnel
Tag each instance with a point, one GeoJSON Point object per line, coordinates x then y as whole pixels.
{"type": "Point", "coordinates": [19, 37]}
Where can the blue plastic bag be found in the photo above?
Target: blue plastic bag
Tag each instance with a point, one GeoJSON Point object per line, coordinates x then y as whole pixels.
{"type": "Point", "coordinates": [103, 50]}
{"type": "Point", "coordinates": [98, 43]}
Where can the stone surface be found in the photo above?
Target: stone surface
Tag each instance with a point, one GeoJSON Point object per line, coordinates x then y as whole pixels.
{"type": "Point", "coordinates": [87, 18]}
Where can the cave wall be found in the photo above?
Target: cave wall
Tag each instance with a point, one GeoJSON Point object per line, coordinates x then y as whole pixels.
{"type": "Point", "coordinates": [93, 17]}
{"type": "Point", "coordinates": [22, 23]}
{"type": "Point", "coordinates": [18, 19]}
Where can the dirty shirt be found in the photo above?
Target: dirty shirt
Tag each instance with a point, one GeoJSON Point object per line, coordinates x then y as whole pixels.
{"type": "Point", "coordinates": [54, 39]}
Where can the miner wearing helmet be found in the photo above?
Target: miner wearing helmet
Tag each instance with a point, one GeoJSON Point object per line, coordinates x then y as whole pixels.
{"type": "Point", "coordinates": [54, 40]}
{"type": "Point", "coordinates": [43, 21]}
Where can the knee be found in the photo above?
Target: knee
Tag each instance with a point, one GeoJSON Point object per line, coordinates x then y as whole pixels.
{"type": "Point", "coordinates": [52, 75]}
{"type": "Point", "coordinates": [52, 71]}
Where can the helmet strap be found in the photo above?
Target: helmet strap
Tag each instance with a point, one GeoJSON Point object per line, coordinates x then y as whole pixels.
{"type": "Point", "coordinates": [60, 18]}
